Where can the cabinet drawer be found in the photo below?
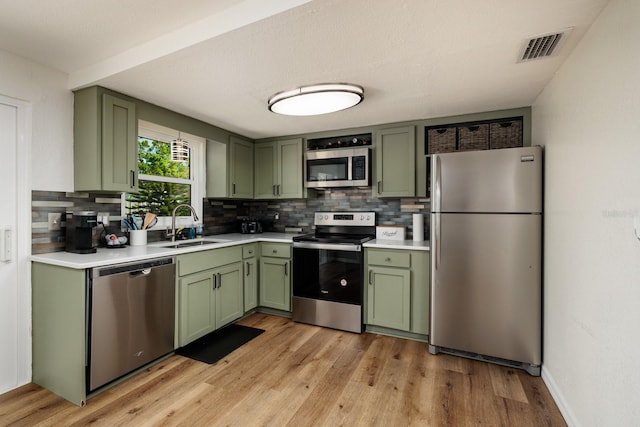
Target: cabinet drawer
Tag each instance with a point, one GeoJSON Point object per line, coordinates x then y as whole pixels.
{"type": "Point", "coordinates": [389, 258]}
{"type": "Point", "coordinates": [249, 251]}
{"type": "Point", "coordinates": [278, 250]}
{"type": "Point", "coordinates": [199, 261]}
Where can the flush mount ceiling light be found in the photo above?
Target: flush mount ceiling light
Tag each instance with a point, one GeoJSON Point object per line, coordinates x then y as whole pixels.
{"type": "Point", "coordinates": [179, 150]}
{"type": "Point", "coordinates": [316, 99]}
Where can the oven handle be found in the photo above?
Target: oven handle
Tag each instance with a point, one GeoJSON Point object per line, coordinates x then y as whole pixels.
{"type": "Point", "coordinates": [347, 247]}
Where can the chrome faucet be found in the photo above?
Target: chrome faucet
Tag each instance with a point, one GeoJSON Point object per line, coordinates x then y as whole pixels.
{"type": "Point", "coordinates": [173, 219]}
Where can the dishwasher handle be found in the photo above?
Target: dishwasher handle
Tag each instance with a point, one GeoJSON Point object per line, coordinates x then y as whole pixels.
{"type": "Point", "coordinates": [132, 268]}
{"type": "Point", "coordinates": [143, 272]}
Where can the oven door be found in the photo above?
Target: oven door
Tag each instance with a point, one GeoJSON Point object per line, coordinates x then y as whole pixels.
{"type": "Point", "coordinates": [330, 272]}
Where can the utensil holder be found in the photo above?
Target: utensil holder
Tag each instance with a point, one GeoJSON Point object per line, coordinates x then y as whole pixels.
{"type": "Point", "coordinates": [138, 237]}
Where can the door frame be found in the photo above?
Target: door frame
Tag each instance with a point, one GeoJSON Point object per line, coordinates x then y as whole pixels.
{"type": "Point", "coordinates": [23, 236]}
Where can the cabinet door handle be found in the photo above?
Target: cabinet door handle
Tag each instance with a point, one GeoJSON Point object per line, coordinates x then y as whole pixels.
{"type": "Point", "coordinates": [286, 268]}
{"type": "Point", "coordinates": [215, 281]}
{"type": "Point", "coordinates": [387, 259]}
{"type": "Point", "coordinates": [233, 188]}
{"type": "Point", "coordinates": [248, 267]}
{"type": "Point", "coordinates": [278, 187]}
{"type": "Point", "coordinates": [379, 187]}
{"type": "Point", "coordinates": [133, 178]}
{"type": "Point", "coordinates": [370, 277]}
{"type": "Point", "coordinates": [219, 280]}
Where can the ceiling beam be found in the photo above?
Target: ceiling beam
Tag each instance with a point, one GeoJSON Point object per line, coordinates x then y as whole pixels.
{"type": "Point", "coordinates": [237, 16]}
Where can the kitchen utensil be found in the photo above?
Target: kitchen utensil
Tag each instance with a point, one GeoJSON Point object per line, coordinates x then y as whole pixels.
{"type": "Point", "coordinates": [149, 220]}
{"type": "Point", "coordinates": [130, 222]}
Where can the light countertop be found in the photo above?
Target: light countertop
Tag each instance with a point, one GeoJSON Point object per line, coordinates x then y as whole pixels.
{"type": "Point", "coordinates": [398, 244]}
{"type": "Point", "coordinates": [105, 256]}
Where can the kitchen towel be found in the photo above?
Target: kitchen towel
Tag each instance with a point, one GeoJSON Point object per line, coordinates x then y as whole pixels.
{"type": "Point", "coordinates": [418, 227]}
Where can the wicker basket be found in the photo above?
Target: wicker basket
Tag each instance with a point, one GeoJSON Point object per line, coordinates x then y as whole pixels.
{"type": "Point", "coordinates": [475, 137]}
{"type": "Point", "coordinates": [506, 134]}
{"type": "Point", "coordinates": [441, 140]}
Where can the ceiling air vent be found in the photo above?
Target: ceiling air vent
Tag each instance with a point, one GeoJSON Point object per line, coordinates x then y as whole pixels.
{"type": "Point", "coordinates": [543, 46]}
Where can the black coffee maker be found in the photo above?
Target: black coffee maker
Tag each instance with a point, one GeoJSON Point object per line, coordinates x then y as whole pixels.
{"type": "Point", "coordinates": [79, 237]}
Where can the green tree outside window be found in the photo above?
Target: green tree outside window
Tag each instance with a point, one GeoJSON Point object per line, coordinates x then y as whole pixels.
{"type": "Point", "coordinates": [162, 183]}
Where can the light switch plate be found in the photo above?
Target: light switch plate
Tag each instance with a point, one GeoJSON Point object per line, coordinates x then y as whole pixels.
{"type": "Point", "coordinates": [55, 220]}
{"type": "Point", "coordinates": [6, 243]}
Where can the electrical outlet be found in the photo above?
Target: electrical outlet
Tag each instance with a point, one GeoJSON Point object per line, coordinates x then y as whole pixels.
{"type": "Point", "coordinates": [55, 220]}
{"type": "Point", "coordinates": [104, 218]}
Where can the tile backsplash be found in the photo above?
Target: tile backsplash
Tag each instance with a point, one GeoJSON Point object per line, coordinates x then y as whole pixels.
{"type": "Point", "coordinates": [222, 215]}
{"type": "Point", "coordinates": [225, 215]}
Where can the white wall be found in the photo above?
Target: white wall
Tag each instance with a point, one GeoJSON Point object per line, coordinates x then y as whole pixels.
{"type": "Point", "coordinates": [588, 119]}
{"type": "Point", "coordinates": [48, 141]}
{"type": "Point", "coordinates": [52, 106]}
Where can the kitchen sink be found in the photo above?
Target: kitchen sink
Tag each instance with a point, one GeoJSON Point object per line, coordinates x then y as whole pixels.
{"type": "Point", "coordinates": [177, 245]}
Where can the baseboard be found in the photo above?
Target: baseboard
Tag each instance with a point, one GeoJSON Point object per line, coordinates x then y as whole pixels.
{"type": "Point", "coordinates": [558, 397]}
{"type": "Point", "coordinates": [396, 333]}
{"type": "Point", "coordinates": [273, 311]}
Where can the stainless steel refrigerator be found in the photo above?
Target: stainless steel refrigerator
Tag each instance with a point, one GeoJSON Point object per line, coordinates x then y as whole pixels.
{"type": "Point", "coordinates": [486, 256]}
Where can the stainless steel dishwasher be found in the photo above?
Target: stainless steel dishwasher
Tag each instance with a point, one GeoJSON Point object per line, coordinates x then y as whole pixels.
{"type": "Point", "coordinates": [131, 319]}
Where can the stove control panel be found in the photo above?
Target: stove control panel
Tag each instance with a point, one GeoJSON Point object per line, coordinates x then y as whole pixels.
{"type": "Point", "coordinates": [345, 218]}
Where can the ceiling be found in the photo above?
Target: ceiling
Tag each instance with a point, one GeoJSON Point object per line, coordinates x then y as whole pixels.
{"type": "Point", "coordinates": [219, 61]}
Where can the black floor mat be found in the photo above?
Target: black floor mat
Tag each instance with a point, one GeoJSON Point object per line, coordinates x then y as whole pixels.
{"type": "Point", "coordinates": [216, 345]}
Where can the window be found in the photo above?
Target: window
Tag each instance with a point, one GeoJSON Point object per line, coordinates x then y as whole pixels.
{"type": "Point", "coordinates": [162, 183]}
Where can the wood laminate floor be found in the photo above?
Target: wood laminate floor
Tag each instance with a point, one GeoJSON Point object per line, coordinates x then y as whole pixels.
{"type": "Point", "coordinates": [302, 375]}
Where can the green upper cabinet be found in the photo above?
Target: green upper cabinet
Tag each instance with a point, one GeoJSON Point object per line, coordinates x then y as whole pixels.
{"type": "Point", "coordinates": [105, 134]}
{"type": "Point", "coordinates": [240, 168]}
{"type": "Point", "coordinates": [395, 163]}
{"type": "Point", "coordinates": [278, 171]}
{"type": "Point", "coordinates": [265, 172]}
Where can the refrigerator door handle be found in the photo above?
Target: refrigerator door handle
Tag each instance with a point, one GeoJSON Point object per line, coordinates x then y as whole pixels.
{"type": "Point", "coordinates": [437, 178]}
{"type": "Point", "coordinates": [435, 220]}
{"type": "Point", "coordinates": [437, 208]}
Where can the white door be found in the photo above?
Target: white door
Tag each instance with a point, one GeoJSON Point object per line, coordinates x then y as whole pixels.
{"type": "Point", "coordinates": [15, 310]}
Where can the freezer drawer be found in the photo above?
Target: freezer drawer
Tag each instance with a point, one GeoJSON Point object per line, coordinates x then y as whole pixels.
{"type": "Point", "coordinates": [486, 285]}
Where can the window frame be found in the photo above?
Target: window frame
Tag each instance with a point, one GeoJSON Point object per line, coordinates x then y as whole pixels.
{"type": "Point", "coordinates": [197, 149]}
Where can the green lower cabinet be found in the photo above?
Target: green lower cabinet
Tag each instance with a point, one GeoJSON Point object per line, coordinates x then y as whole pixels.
{"type": "Point", "coordinates": [209, 300]}
{"type": "Point", "coordinates": [197, 306]}
{"type": "Point", "coordinates": [397, 290]}
{"type": "Point", "coordinates": [250, 284]}
{"type": "Point", "coordinates": [389, 297]}
{"type": "Point", "coordinates": [250, 278]}
{"type": "Point", "coordinates": [275, 283]}
{"type": "Point", "coordinates": [59, 335]}
{"type": "Point", "coordinates": [229, 295]}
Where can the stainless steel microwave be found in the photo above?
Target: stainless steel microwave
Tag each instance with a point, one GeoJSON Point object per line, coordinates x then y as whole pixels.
{"type": "Point", "coordinates": [345, 167]}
